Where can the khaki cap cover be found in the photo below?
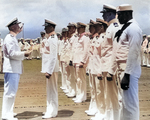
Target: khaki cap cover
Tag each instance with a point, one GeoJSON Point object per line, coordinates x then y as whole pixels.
{"type": "Point", "coordinates": [124, 7]}
{"type": "Point", "coordinates": [72, 24]}
{"type": "Point", "coordinates": [48, 22]}
{"type": "Point", "coordinates": [92, 22]}
{"type": "Point", "coordinates": [64, 29]}
{"type": "Point", "coordinates": [100, 21]}
{"type": "Point", "coordinates": [108, 8]}
{"type": "Point", "coordinates": [79, 24]}
{"type": "Point", "coordinates": [13, 22]}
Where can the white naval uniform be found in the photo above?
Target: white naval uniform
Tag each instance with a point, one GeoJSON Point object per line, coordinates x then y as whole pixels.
{"type": "Point", "coordinates": [100, 84]}
{"type": "Point", "coordinates": [51, 67]}
{"type": "Point", "coordinates": [63, 65]}
{"type": "Point", "coordinates": [131, 40]}
{"type": "Point", "coordinates": [12, 68]}
{"type": "Point", "coordinates": [81, 47]}
{"type": "Point", "coordinates": [144, 52]}
{"type": "Point", "coordinates": [92, 76]}
{"type": "Point", "coordinates": [1, 54]}
{"type": "Point", "coordinates": [107, 61]}
{"type": "Point", "coordinates": [71, 75]}
{"type": "Point", "coordinates": [148, 55]}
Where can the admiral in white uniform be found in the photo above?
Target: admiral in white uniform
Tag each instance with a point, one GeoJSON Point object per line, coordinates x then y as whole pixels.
{"type": "Point", "coordinates": [12, 68]}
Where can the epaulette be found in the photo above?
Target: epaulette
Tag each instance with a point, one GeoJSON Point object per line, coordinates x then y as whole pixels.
{"type": "Point", "coordinates": [11, 35]}
{"type": "Point", "coordinates": [97, 37]}
{"type": "Point", "coordinates": [75, 35]}
{"type": "Point", "coordinates": [52, 36]}
{"type": "Point", "coordinates": [86, 35]}
{"type": "Point", "coordinates": [116, 24]}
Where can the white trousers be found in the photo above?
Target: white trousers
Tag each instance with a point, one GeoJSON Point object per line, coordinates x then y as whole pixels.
{"type": "Point", "coordinates": [81, 83]}
{"type": "Point", "coordinates": [100, 94]}
{"type": "Point", "coordinates": [131, 101]}
{"type": "Point", "coordinates": [52, 95]}
{"type": "Point", "coordinates": [64, 74]}
{"type": "Point", "coordinates": [111, 99]}
{"type": "Point", "coordinates": [148, 60]}
{"type": "Point", "coordinates": [92, 84]}
{"type": "Point", "coordinates": [71, 80]}
{"type": "Point", "coordinates": [11, 81]}
{"type": "Point", "coordinates": [144, 56]}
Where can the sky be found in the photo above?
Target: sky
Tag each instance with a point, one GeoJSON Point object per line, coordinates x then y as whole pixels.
{"type": "Point", "coordinates": [34, 12]}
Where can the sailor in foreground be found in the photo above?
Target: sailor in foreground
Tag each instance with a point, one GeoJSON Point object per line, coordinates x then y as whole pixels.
{"type": "Point", "coordinates": [51, 69]}
{"type": "Point", "coordinates": [130, 39]}
{"type": "Point", "coordinates": [12, 68]}
{"type": "Point", "coordinates": [112, 103]}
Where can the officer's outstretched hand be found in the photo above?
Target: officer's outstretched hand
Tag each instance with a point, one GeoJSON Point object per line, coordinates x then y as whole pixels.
{"type": "Point", "coordinates": [47, 75]}
{"type": "Point", "coordinates": [125, 81]}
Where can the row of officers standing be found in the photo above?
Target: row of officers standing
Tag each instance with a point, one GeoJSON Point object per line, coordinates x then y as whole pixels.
{"type": "Point", "coordinates": [145, 51]}
{"type": "Point", "coordinates": [110, 52]}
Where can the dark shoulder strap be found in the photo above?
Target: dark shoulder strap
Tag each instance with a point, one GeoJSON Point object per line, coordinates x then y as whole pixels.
{"type": "Point", "coordinates": [119, 32]}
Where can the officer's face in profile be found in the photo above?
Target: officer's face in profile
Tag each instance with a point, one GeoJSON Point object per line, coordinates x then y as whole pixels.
{"type": "Point", "coordinates": [92, 29]}
{"type": "Point", "coordinates": [71, 29]}
{"type": "Point", "coordinates": [48, 29]}
{"type": "Point", "coordinates": [81, 30]}
{"type": "Point", "coordinates": [123, 17]}
{"type": "Point", "coordinates": [105, 16]}
{"type": "Point", "coordinates": [15, 28]}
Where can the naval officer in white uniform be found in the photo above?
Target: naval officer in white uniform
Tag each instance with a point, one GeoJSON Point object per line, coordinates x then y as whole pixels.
{"type": "Point", "coordinates": [51, 70]}
{"type": "Point", "coordinates": [12, 68]}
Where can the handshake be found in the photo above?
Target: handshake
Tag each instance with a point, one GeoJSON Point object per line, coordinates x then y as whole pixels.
{"type": "Point", "coordinates": [27, 53]}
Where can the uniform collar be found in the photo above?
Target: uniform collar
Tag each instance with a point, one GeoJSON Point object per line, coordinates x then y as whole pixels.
{"type": "Point", "coordinates": [52, 33]}
{"type": "Point", "coordinates": [112, 21]}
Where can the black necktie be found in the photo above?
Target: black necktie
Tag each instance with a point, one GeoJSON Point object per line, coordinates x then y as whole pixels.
{"type": "Point", "coordinates": [119, 32]}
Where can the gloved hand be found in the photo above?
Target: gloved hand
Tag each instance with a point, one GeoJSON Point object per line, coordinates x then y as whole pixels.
{"type": "Point", "coordinates": [70, 63]}
{"type": "Point", "coordinates": [125, 81]}
{"type": "Point", "coordinates": [109, 77]}
{"type": "Point", "coordinates": [99, 76]}
{"type": "Point", "coordinates": [47, 75]}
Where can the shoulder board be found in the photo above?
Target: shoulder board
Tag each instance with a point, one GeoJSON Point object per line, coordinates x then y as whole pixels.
{"type": "Point", "coordinates": [52, 36]}
{"type": "Point", "coordinates": [75, 35]}
{"type": "Point", "coordinates": [116, 24]}
{"type": "Point", "coordinates": [86, 35]}
{"type": "Point", "coordinates": [97, 37]}
{"type": "Point", "coordinates": [11, 35]}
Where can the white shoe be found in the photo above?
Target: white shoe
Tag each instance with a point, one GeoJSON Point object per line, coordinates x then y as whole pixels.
{"type": "Point", "coordinates": [14, 114]}
{"type": "Point", "coordinates": [87, 111]}
{"type": "Point", "coordinates": [92, 112]}
{"type": "Point", "coordinates": [79, 101]}
{"type": "Point", "coordinates": [63, 88]}
{"type": "Point", "coordinates": [48, 116]}
{"type": "Point", "coordinates": [66, 91]}
{"type": "Point", "coordinates": [70, 95]}
{"type": "Point", "coordinates": [74, 99]}
{"type": "Point", "coordinates": [10, 118]}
